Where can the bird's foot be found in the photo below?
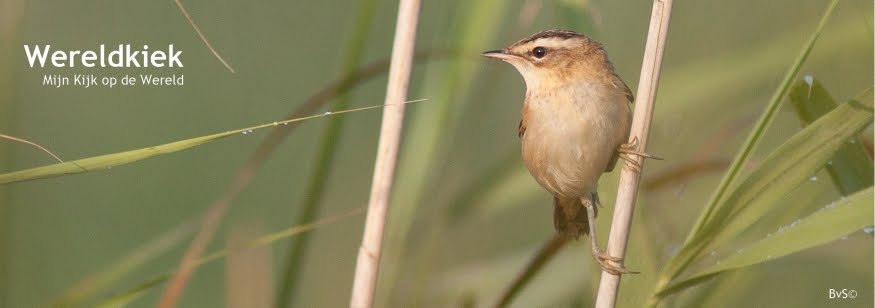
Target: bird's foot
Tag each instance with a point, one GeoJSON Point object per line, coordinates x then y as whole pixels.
{"type": "Point", "coordinates": [626, 151]}
{"type": "Point", "coordinates": [610, 264]}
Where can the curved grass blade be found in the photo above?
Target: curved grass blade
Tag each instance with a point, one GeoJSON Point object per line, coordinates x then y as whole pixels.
{"type": "Point", "coordinates": [123, 299]}
{"type": "Point", "coordinates": [761, 126]}
{"type": "Point", "coordinates": [850, 168]}
{"type": "Point", "coordinates": [789, 165]}
{"type": "Point", "coordinates": [696, 239]}
{"type": "Point", "coordinates": [104, 162]}
{"type": "Point", "coordinates": [792, 163]}
{"type": "Point", "coordinates": [837, 219]}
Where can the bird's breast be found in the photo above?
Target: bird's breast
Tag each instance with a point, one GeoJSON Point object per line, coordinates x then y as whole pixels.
{"type": "Point", "coordinates": [570, 136]}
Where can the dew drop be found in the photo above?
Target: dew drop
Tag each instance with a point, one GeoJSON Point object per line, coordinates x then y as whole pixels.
{"type": "Point", "coordinates": [869, 230]}
{"type": "Point", "coordinates": [327, 113]}
{"type": "Point", "coordinates": [244, 132]}
{"type": "Point", "coordinates": [808, 79]}
{"type": "Point", "coordinates": [813, 178]}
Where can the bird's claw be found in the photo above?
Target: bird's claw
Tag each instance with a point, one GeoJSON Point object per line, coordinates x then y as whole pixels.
{"type": "Point", "coordinates": [605, 261]}
{"type": "Point", "coordinates": [626, 151]}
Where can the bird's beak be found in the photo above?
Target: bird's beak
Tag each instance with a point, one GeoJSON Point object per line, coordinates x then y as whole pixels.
{"type": "Point", "coordinates": [500, 54]}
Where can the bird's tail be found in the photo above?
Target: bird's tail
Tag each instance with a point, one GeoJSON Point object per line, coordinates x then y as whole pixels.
{"type": "Point", "coordinates": [569, 216]}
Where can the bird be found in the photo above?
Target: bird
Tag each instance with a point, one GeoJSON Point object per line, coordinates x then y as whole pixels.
{"type": "Point", "coordinates": [574, 126]}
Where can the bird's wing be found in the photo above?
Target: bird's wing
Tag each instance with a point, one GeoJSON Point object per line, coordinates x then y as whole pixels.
{"type": "Point", "coordinates": [622, 85]}
{"type": "Point", "coordinates": [521, 129]}
{"type": "Point", "coordinates": [613, 162]}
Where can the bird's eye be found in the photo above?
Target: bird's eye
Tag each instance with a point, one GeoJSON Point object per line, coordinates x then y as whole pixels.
{"type": "Point", "coordinates": [539, 52]}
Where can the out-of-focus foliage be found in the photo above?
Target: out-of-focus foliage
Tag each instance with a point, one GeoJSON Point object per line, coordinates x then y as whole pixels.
{"type": "Point", "coordinates": [466, 215]}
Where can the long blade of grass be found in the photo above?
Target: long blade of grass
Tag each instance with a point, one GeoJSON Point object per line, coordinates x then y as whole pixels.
{"type": "Point", "coordinates": [785, 168]}
{"type": "Point", "coordinates": [104, 162]}
{"type": "Point", "coordinates": [127, 297]}
{"type": "Point", "coordinates": [324, 158]}
{"type": "Point", "coordinates": [762, 125]}
{"type": "Point", "coordinates": [828, 224]}
{"type": "Point", "coordinates": [792, 163]}
{"type": "Point", "coordinates": [850, 168]}
{"type": "Point", "coordinates": [695, 240]}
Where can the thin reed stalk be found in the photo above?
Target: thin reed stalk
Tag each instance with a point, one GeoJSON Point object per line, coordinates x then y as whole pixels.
{"type": "Point", "coordinates": [368, 261]}
{"type": "Point", "coordinates": [630, 176]}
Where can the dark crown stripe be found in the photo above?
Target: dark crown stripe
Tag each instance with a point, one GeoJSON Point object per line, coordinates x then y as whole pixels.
{"type": "Point", "coordinates": [563, 34]}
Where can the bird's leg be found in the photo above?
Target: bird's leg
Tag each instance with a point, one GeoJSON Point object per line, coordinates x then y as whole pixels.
{"type": "Point", "coordinates": [598, 203]}
{"type": "Point", "coordinates": [602, 258]}
{"type": "Point", "coordinates": [626, 151]}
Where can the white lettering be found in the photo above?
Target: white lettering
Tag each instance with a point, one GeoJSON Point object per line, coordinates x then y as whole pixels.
{"type": "Point", "coordinates": [37, 55]}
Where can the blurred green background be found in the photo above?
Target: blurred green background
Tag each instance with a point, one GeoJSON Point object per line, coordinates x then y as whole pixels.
{"type": "Point", "coordinates": [474, 214]}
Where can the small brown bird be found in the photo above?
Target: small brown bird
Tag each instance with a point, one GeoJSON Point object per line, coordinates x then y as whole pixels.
{"type": "Point", "coordinates": [575, 122]}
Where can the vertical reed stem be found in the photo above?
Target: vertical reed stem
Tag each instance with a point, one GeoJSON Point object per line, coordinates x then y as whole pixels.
{"type": "Point", "coordinates": [629, 176]}
{"type": "Point", "coordinates": [368, 262]}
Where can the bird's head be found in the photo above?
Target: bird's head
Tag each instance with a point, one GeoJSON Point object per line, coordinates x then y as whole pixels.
{"type": "Point", "coordinates": [554, 57]}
